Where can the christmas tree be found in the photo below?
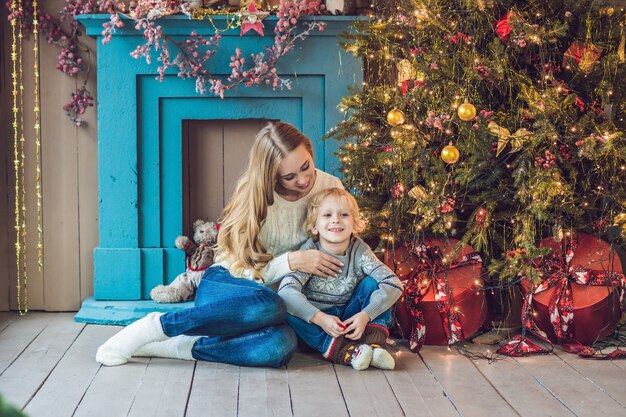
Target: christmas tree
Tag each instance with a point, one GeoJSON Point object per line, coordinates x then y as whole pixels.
{"type": "Point", "coordinates": [498, 123]}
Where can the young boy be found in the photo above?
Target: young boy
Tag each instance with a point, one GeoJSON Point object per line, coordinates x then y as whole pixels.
{"type": "Point", "coordinates": [345, 317]}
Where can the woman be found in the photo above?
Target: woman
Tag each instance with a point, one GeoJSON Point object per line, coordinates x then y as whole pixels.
{"type": "Point", "coordinates": [237, 318]}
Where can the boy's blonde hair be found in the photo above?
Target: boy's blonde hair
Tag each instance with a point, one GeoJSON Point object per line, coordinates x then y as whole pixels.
{"type": "Point", "coordinates": [339, 194]}
{"type": "Point", "coordinates": [240, 224]}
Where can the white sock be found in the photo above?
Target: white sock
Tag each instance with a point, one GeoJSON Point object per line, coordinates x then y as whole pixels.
{"type": "Point", "coordinates": [382, 359]}
{"type": "Point", "coordinates": [178, 347]}
{"type": "Point", "coordinates": [362, 357]}
{"type": "Point", "coordinates": [120, 347]}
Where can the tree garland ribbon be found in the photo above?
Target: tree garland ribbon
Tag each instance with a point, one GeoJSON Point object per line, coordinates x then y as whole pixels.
{"type": "Point", "coordinates": [558, 272]}
{"type": "Point", "coordinates": [418, 283]}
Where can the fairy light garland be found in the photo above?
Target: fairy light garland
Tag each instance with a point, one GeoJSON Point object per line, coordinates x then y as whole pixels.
{"type": "Point", "coordinates": [18, 149]}
{"type": "Point", "coordinates": [37, 111]}
{"type": "Point", "coordinates": [16, 160]}
{"type": "Point", "coordinates": [233, 20]}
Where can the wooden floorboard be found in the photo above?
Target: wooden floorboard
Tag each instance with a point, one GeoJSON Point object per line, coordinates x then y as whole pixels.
{"type": "Point", "coordinates": [264, 393]}
{"type": "Point", "coordinates": [18, 334]}
{"type": "Point", "coordinates": [315, 391]}
{"type": "Point", "coordinates": [39, 359]}
{"type": "Point", "coordinates": [464, 384]}
{"type": "Point", "coordinates": [48, 368]}
{"type": "Point", "coordinates": [114, 389]}
{"type": "Point", "coordinates": [418, 391]}
{"type": "Point", "coordinates": [6, 318]}
{"type": "Point", "coordinates": [66, 385]}
{"type": "Point", "coordinates": [520, 389]}
{"type": "Point", "coordinates": [605, 375]}
{"type": "Point", "coordinates": [367, 393]}
{"type": "Point", "coordinates": [164, 389]}
{"type": "Point", "coordinates": [214, 391]}
{"type": "Point", "coordinates": [575, 391]}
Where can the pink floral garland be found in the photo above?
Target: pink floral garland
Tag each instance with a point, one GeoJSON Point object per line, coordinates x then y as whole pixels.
{"type": "Point", "coordinates": [190, 61]}
{"type": "Point", "coordinates": [193, 53]}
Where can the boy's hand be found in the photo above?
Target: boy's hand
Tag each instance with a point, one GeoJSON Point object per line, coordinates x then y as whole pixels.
{"type": "Point", "coordinates": [330, 324]}
{"type": "Point", "coordinates": [356, 325]}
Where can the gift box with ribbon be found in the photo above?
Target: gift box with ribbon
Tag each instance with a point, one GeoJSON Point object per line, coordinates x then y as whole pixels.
{"type": "Point", "coordinates": [583, 55]}
{"type": "Point", "coordinates": [442, 302]}
{"type": "Point", "coordinates": [580, 297]}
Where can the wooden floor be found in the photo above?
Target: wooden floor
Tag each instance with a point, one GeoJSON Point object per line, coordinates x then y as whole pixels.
{"type": "Point", "coordinates": [47, 368]}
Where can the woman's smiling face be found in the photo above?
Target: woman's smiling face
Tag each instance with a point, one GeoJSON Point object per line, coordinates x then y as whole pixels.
{"type": "Point", "coordinates": [296, 174]}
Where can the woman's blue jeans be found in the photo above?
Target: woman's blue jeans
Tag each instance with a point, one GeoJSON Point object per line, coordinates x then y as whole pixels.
{"type": "Point", "coordinates": [314, 336]}
{"type": "Point", "coordinates": [243, 322]}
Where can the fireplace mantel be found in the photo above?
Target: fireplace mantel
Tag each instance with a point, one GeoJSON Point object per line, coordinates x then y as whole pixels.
{"type": "Point", "coordinates": [140, 144]}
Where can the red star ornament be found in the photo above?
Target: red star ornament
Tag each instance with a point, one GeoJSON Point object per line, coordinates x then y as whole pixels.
{"type": "Point", "coordinates": [252, 19]}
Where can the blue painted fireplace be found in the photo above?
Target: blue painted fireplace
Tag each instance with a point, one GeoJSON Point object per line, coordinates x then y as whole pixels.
{"type": "Point", "coordinates": [140, 158]}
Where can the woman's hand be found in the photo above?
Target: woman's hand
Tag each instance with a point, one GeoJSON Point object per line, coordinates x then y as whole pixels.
{"type": "Point", "coordinates": [330, 324]}
{"type": "Point", "coordinates": [356, 325]}
{"type": "Point", "coordinates": [314, 262]}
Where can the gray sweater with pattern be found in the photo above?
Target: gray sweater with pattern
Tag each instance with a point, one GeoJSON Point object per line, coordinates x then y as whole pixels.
{"type": "Point", "coordinates": [306, 294]}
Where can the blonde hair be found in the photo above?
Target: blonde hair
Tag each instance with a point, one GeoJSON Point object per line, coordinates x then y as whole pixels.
{"type": "Point", "coordinates": [339, 194]}
{"type": "Point", "coordinates": [240, 224]}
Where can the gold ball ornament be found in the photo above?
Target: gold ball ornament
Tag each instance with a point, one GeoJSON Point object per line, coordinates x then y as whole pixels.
{"type": "Point", "coordinates": [395, 117]}
{"type": "Point", "coordinates": [450, 154]}
{"type": "Point", "coordinates": [466, 112]}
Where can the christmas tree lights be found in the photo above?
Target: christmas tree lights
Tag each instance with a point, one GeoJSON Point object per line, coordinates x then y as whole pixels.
{"type": "Point", "coordinates": [512, 128]}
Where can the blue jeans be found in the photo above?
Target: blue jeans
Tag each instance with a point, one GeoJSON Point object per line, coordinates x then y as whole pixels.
{"type": "Point", "coordinates": [314, 336]}
{"type": "Point", "coordinates": [243, 322]}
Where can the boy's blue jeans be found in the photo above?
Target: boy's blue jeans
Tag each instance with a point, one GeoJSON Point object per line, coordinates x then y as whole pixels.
{"type": "Point", "coordinates": [314, 336]}
{"type": "Point", "coordinates": [243, 322]}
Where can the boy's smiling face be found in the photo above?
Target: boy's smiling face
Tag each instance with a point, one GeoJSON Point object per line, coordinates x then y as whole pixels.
{"type": "Point", "coordinates": [334, 222]}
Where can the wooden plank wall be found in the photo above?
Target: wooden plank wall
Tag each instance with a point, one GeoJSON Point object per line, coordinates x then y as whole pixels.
{"type": "Point", "coordinates": [5, 231]}
{"type": "Point", "coordinates": [69, 182]}
{"type": "Point", "coordinates": [216, 154]}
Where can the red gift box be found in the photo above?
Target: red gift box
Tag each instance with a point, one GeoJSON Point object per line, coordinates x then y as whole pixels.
{"type": "Point", "coordinates": [583, 55]}
{"type": "Point", "coordinates": [463, 278]}
{"type": "Point", "coordinates": [596, 308]}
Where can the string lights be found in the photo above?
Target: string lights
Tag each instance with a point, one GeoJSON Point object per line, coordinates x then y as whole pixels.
{"type": "Point", "coordinates": [37, 111]}
{"type": "Point", "coordinates": [16, 80]}
{"type": "Point", "coordinates": [20, 147]}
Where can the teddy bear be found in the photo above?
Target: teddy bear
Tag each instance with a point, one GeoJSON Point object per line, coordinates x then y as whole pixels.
{"type": "Point", "coordinates": [199, 256]}
{"type": "Point", "coordinates": [341, 7]}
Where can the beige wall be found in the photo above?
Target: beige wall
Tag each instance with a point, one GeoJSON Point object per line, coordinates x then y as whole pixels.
{"type": "Point", "coordinates": [69, 184]}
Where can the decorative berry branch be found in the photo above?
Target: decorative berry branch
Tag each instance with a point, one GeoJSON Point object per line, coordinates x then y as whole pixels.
{"type": "Point", "coordinates": [70, 60]}
{"type": "Point", "coordinates": [193, 53]}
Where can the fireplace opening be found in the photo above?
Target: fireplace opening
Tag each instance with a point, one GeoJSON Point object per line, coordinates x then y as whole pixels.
{"type": "Point", "coordinates": [215, 154]}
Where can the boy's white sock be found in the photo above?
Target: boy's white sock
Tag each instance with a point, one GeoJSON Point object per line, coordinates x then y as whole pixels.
{"type": "Point", "coordinates": [178, 347]}
{"type": "Point", "coordinates": [361, 357]}
{"type": "Point", "coordinates": [382, 359]}
{"type": "Point", "coordinates": [120, 347]}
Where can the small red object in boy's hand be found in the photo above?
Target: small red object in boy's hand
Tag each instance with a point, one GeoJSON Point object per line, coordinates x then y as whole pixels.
{"type": "Point", "coordinates": [343, 326]}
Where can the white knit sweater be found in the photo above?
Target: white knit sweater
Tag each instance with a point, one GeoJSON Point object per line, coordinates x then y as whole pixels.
{"type": "Point", "coordinates": [283, 229]}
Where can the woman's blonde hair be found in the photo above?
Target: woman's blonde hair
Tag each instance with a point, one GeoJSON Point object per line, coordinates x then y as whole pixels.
{"type": "Point", "coordinates": [240, 224]}
{"type": "Point", "coordinates": [339, 194]}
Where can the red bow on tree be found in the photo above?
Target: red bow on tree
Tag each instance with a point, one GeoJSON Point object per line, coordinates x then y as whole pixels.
{"type": "Point", "coordinates": [503, 27]}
